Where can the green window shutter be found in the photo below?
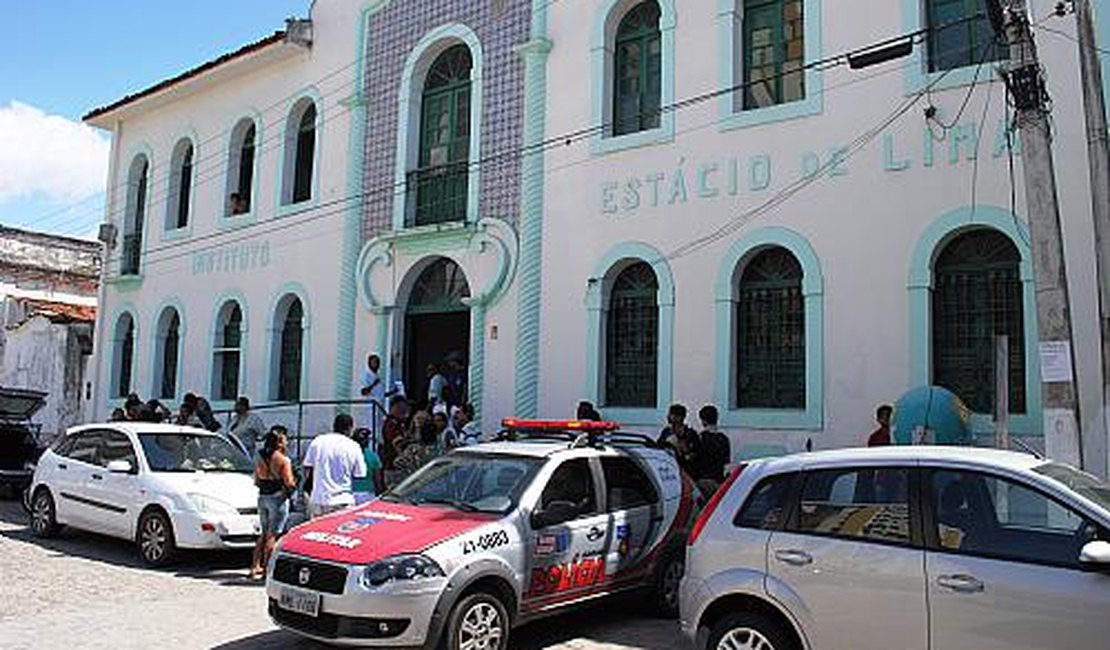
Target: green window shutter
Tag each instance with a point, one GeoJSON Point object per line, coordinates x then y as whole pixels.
{"type": "Point", "coordinates": [638, 70]}
{"type": "Point", "coordinates": [977, 295]}
{"type": "Point", "coordinates": [774, 52]}
{"type": "Point", "coordinates": [440, 185]}
{"type": "Point", "coordinates": [771, 349]}
{"type": "Point", "coordinates": [955, 44]}
{"type": "Point", "coordinates": [632, 338]}
{"type": "Point", "coordinates": [289, 366]}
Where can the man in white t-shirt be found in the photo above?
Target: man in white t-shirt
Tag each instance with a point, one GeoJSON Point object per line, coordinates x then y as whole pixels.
{"type": "Point", "coordinates": [332, 463]}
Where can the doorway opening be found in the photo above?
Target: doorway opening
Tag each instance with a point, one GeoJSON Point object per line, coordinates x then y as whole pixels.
{"type": "Point", "coordinates": [437, 330]}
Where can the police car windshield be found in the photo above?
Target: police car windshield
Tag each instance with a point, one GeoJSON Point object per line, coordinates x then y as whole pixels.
{"type": "Point", "coordinates": [183, 452]}
{"type": "Point", "coordinates": [469, 482]}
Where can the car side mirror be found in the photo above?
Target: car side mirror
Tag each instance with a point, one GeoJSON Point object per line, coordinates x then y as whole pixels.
{"type": "Point", "coordinates": [120, 467]}
{"type": "Point", "coordinates": [556, 512]}
{"type": "Point", "coordinates": [1095, 556]}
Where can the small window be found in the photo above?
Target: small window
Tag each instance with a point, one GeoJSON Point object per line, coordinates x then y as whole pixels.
{"type": "Point", "coordinates": [638, 70]}
{"type": "Point", "coordinates": [774, 53]}
{"type": "Point", "coordinates": [961, 35]}
{"type": "Point", "coordinates": [168, 351]}
{"type": "Point", "coordinates": [574, 483]}
{"type": "Point", "coordinates": [863, 504]}
{"type": "Point", "coordinates": [227, 352]}
{"type": "Point", "coordinates": [300, 153]}
{"type": "Point", "coordinates": [116, 446]}
{"type": "Point", "coordinates": [290, 349]}
{"type": "Point", "coordinates": [135, 216]}
{"type": "Point", "coordinates": [86, 447]}
{"type": "Point", "coordinates": [123, 355]}
{"type": "Point", "coordinates": [626, 485]}
{"type": "Point", "coordinates": [181, 186]}
{"type": "Point", "coordinates": [766, 508]}
{"type": "Point", "coordinates": [240, 168]}
{"type": "Point", "coordinates": [978, 514]}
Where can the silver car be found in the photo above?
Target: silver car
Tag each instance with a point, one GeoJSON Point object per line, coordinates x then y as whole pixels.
{"type": "Point", "coordinates": [911, 548]}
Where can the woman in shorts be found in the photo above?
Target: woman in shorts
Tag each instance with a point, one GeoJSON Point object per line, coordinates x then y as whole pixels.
{"type": "Point", "coordinates": [273, 474]}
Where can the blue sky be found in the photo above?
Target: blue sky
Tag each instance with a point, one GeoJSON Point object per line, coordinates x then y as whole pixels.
{"type": "Point", "coordinates": [61, 58]}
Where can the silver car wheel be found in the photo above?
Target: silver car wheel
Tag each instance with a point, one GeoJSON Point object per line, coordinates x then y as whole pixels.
{"type": "Point", "coordinates": [153, 539]}
{"type": "Point", "coordinates": [672, 578]}
{"type": "Point", "coordinates": [41, 514]}
{"type": "Point", "coordinates": [481, 628]}
{"type": "Point", "coordinates": [744, 638]}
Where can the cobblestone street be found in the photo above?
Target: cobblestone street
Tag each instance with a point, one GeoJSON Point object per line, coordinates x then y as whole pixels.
{"type": "Point", "coordinates": [86, 591]}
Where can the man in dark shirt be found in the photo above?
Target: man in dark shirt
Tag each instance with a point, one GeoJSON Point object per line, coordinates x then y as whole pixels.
{"type": "Point", "coordinates": [682, 439]}
{"type": "Point", "coordinates": [881, 436]}
{"type": "Point", "coordinates": [716, 450]}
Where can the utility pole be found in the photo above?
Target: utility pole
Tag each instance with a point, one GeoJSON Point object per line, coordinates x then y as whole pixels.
{"type": "Point", "coordinates": [1098, 154]}
{"type": "Point", "coordinates": [1025, 83]}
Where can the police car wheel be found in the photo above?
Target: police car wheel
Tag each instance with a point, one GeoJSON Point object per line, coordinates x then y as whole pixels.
{"type": "Point", "coordinates": [478, 622]}
{"type": "Point", "coordinates": [668, 577]}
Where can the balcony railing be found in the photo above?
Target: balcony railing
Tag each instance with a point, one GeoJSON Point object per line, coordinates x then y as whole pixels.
{"type": "Point", "coordinates": [437, 194]}
{"type": "Point", "coordinates": [131, 254]}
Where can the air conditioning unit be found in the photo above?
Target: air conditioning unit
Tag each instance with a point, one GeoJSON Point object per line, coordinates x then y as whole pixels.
{"type": "Point", "coordinates": [298, 31]}
{"type": "Point", "coordinates": [107, 235]}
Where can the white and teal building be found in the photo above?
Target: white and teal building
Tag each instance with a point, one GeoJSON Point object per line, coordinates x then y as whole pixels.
{"type": "Point", "coordinates": [523, 184]}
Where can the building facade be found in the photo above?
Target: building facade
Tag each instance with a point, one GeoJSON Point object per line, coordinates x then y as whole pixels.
{"type": "Point", "coordinates": [635, 203]}
{"type": "Point", "coordinates": [48, 293]}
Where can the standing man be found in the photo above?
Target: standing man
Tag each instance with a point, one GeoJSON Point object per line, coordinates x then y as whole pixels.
{"type": "Point", "coordinates": [373, 388]}
{"type": "Point", "coordinates": [682, 439]}
{"type": "Point", "coordinates": [332, 463]}
{"type": "Point", "coordinates": [437, 386]}
{"type": "Point", "coordinates": [246, 428]}
{"type": "Point", "coordinates": [716, 450]}
{"type": "Point", "coordinates": [881, 436]}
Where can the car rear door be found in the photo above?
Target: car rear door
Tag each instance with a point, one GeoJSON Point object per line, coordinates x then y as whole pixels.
{"type": "Point", "coordinates": [849, 560]}
{"type": "Point", "coordinates": [72, 473]}
{"type": "Point", "coordinates": [1003, 569]}
{"type": "Point", "coordinates": [635, 514]}
{"type": "Point", "coordinates": [567, 559]}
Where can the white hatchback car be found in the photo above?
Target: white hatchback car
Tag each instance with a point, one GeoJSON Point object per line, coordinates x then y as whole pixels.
{"type": "Point", "coordinates": [165, 487]}
{"type": "Point", "coordinates": [912, 548]}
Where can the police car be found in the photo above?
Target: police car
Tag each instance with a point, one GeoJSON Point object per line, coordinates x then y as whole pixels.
{"type": "Point", "coordinates": [488, 537]}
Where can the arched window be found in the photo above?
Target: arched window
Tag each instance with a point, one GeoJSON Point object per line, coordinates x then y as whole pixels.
{"type": "Point", "coordinates": [770, 333]}
{"type": "Point", "coordinates": [123, 355]}
{"type": "Point", "coordinates": [638, 70]}
{"type": "Point", "coordinates": [240, 168]}
{"type": "Point", "coordinates": [960, 35]}
{"type": "Point", "coordinates": [441, 181]}
{"type": "Point", "coordinates": [227, 352]}
{"type": "Point", "coordinates": [135, 215]}
{"type": "Point", "coordinates": [300, 152]}
{"type": "Point", "coordinates": [181, 185]}
{"type": "Point", "coordinates": [167, 353]}
{"type": "Point", "coordinates": [289, 333]}
{"type": "Point", "coordinates": [632, 338]}
{"type": "Point", "coordinates": [774, 52]}
{"type": "Point", "coordinates": [977, 294]}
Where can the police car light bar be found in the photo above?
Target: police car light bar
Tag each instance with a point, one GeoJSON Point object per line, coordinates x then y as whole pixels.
{"type": "Point", "coordinates": [585, 426]}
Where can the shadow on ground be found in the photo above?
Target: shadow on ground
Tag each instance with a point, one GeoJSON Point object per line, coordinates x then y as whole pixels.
{"type": "Point", "coordinates": [227, 568]}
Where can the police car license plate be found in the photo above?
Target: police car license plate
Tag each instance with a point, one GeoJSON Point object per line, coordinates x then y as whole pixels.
{"type": "Point", "coordinates": [300, 601]}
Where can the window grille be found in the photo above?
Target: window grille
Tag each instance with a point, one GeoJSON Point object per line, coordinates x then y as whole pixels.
{"type": "Point", "coordinates": [632, 338]}
{"type": "Point", "coordinates": [289, 366]}
{"type": "Point", "coordinates": [978, 294]}
{"type": "Point", "coordinates": [440, 288]}
{"type": "Point", "coordinates": [638, 70]}
{"type": "Point", "coordinates": [770, 316]}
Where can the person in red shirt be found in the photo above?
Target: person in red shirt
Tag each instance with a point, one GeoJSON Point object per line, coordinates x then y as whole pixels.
{"type": "Point", "coordinates": [881, 436]}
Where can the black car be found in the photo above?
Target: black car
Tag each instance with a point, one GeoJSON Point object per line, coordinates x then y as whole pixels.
{"type": "Point", "coordinates": [19, 438]}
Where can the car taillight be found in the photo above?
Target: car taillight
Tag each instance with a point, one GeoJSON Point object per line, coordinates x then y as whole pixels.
{"type": "Point", "coordinates": [714, 501]}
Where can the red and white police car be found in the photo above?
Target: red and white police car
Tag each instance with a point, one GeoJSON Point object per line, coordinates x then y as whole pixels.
{"type": "Point", "coordinates": [487, 537]}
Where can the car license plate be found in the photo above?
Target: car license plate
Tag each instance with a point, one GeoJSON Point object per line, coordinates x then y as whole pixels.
{"type": "Point", "coordinates": [300, 601]}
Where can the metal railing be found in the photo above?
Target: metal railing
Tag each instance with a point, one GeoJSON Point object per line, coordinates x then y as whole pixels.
{"type": "Point", "coordinates": [306, 419]}
{"type": "Point", "coordinates": [437, 194]}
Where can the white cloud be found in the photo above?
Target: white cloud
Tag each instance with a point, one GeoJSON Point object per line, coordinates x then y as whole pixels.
{"type": "Point", "coordinates": [49, 157]}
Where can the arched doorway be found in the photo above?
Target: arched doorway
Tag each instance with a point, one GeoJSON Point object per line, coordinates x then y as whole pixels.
{"type": "Point", "coordinates": [437, 325]}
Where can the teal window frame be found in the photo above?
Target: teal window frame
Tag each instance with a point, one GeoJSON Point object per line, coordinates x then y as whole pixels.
{"type": "Point", "coordinates": [607, 20]}
{"type": "Point", "coordinates": [811, 417]}
{"type": "Point", "coordinates": [638, 53]}
{"type": "Point", "coordinates": [920, 285]}
{"type": "Point", "coordinates": [439, 189]}
{"type": "Point", "coordinates": [732, 113]}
